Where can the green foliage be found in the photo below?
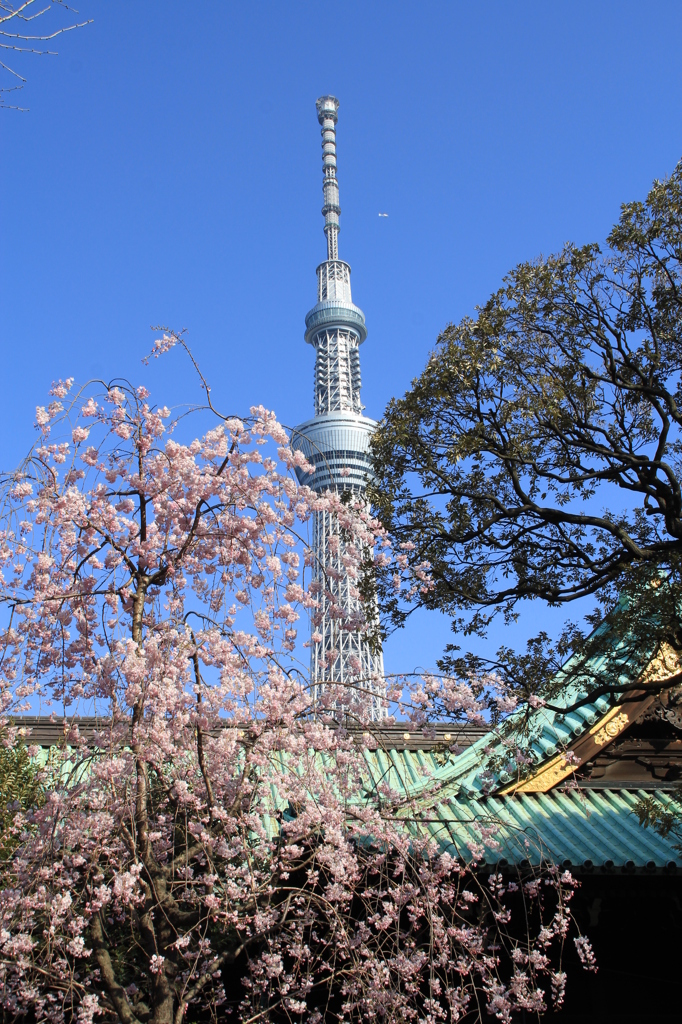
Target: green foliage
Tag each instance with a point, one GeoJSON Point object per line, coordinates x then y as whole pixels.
{"type": "Point", "coordinates": [664, 819]}
{"type": "Point", "coordinates": [20, 789]}
{"type": "Point", "coordinates": [538, 455]}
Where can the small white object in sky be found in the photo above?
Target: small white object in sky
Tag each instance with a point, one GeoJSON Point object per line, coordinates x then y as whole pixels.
{"type": "Point", "coordinates": [383, 215]}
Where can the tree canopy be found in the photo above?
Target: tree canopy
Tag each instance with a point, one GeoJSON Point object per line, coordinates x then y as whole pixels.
{"type": "Point", "coordinates": [537, 456]}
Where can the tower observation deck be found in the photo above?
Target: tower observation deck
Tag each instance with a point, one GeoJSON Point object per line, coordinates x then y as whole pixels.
{"type": "Point", "coordinates": [336, 442]}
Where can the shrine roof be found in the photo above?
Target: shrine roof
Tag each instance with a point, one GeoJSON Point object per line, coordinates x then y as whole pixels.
{"type": "Point", "coordinates": [591, 830]}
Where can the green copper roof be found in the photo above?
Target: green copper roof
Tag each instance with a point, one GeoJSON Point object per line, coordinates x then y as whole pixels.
{"type": "Point", "coordinates": [593, 829]}
{"type": "Point", "coordinates": [590, 830]}
{"type": "Point", "coordinates": [472, 774]}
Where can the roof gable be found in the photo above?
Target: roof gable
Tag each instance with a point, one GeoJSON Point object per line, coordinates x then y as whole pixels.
{"type": "Point", "coordinates": [489, 764]}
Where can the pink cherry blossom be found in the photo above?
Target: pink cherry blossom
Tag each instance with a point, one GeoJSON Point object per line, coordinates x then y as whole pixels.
{"type": "Point", "coordinates": [222, 843]}
{"type": "Point", "coordinates": [90, 408]}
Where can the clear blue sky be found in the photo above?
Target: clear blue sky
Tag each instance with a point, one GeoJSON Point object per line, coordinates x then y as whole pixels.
{"type": "Point", "coordinates": [169, 172]}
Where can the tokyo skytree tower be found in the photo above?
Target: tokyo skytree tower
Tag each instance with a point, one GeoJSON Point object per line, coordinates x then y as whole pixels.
{"type": "Point", "coordinates": [336, 442]}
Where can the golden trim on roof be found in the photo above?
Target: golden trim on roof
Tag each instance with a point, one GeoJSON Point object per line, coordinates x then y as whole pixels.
{"type": "Point", "coordinates": [664, 666]}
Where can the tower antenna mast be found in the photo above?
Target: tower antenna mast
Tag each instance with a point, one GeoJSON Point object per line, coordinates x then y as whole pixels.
{"type": "Point", "coordinates": [327, 115]}
{"type": "Point", "coordinates": [336, 441]}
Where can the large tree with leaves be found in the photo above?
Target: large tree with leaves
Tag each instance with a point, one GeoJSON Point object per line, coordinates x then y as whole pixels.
{"type": "Point", "coordinates": [537, 457]}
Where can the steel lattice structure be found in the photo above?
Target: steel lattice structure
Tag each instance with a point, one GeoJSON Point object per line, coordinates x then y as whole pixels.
{"type": "Point", "coordinates": [336, 442]}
